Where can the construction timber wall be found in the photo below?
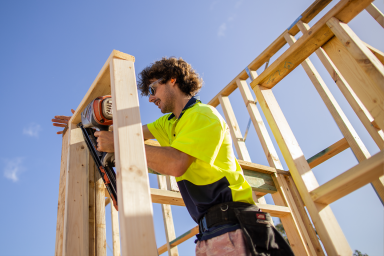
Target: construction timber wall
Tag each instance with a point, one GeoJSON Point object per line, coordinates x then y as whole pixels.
{"type": "Point", "coordinates": [357, 69]}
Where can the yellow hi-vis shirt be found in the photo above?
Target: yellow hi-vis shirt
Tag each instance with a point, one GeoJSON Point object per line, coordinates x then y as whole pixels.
{"type": "Point", "coordinates": [215, 176]}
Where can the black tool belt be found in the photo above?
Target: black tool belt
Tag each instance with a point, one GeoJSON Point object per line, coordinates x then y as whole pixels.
{"type": "Point", "coordinates": [261, 237]}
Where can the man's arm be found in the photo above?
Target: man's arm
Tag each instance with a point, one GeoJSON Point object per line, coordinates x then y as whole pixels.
{"type": "Point", "coordinates": [146, 133]}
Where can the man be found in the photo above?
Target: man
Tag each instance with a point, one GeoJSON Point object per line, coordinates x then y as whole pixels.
{"type": "Point", "coordinates": [197, 150]}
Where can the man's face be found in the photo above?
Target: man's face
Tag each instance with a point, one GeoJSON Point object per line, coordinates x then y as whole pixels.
{"type": "Point", "coordinates": [164, 97]}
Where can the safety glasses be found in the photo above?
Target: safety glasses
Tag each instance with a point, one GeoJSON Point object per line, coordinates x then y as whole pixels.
{"type": "Point", "coordinates": [152, 86]}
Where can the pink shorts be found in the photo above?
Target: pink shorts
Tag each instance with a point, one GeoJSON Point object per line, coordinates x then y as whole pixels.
{"type": "Point", "coordinates": [231, 243]}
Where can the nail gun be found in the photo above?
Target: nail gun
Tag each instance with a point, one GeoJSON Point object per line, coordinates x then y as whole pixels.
{"type": "Point", "coordinates": [98, 115]}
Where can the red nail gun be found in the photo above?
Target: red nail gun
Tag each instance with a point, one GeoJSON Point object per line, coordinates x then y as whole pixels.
{"type": "Point", "coordinates": [98, 115]}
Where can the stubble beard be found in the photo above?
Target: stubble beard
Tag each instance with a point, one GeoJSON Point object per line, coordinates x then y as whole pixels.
{"type": "Point", "coordinates": [168, 101]}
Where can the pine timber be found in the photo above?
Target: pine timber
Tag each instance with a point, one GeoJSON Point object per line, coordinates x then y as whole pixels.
{"type": "Point", "coordinates": [326, 224]}
{"type": "Point", "coordinates": [101, 85]}
{"type": "Point", "coordinates": [115, 231]}
{"type": "Point", "coordinates": [328, 153]}
{"type": "Point", "coordinates": [351, 180]}
{"type": "Point", "coordinates": [76, 215]}
{"type": "Point", "coordinates": [234, 128]}
{"type": "Point", "coordinates": [318, 35]}
{"type": "Point", "coordinates": [135, 205]}
{"type": "Point", "coordinates": [101, 235]}
{"type": "Point", "coordinates": [184, 237]}
{"type": "Point", "coordinates": [379, 54]}
{"type": "Point", "coordinates": [376, 14]}
{"type": "Point", "coordinates": [168, 220]}
{"type": "Point", "coordinates": [356, 104]}
{"type": "Point", "coordinates": [365, 59]}
{"type": "Point", "coordinates": [92, 208]}
{"type": "Point", "coordinates": [61, 200]}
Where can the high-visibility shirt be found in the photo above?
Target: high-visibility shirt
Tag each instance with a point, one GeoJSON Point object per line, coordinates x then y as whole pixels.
{"type": "Point", "coordinates": [215, 176]}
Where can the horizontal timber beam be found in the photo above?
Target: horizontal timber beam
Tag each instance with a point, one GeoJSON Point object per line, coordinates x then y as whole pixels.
{"type": "Point", "coordinates": [327, 153]}
{"type": "Point", "coordinates": [184, 237]}
{"type": "Point", "coordinates": [351, 180]}
{"type": "Point", "coordinates": [314, 38]}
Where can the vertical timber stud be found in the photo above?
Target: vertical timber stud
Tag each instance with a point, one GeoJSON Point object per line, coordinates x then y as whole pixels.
{"type": "Point", "coordinates": [356, 104]}
{"type": "Point", "coordinates": [76, 217]}
{"type": "Point", "coordinates": [300, 232]}
{"type": "Point", "coordinates": [376, 14]}
{"type": "Point", "coordinates": [101, 235]}
{"type": "Point", "coordinates": [168, 220]}
{"type": "Point", "coordinates": [61, 200]}
{"type": "Point", "coordinates": [234, 128]}
{"type": "Point", "coordinates": [322, 216]}
{"type": "Point", "coordinates": [362, 65]}
{"type": "Point", "coordinates": [133, 192]}
{"type": "Point", "coordinates": [115, 231]}
{"type": "Point", "coordinates": [92, 208]}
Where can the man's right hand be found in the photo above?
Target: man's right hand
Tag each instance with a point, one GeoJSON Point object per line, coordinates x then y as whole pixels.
{"type": "Point", "coordinates": [62, 121]}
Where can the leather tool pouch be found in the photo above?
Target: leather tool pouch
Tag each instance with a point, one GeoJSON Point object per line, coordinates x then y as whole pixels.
{"type": "Point", "coordinates": [261, 237]}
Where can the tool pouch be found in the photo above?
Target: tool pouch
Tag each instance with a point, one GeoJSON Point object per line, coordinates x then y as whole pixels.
{"type": "Point", "coordinates": [261, 237]}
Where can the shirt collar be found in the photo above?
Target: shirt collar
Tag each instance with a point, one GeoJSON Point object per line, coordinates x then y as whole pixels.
{"type": "Point", "coordinates": [192, 101]}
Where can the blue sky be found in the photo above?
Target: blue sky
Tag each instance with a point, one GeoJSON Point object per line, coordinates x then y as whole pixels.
{"type": "Point", "coordinates": [51, 51]}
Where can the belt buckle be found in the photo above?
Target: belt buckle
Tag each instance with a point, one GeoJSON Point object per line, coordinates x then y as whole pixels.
{"type": "Point", "coordinates": [203, 223]}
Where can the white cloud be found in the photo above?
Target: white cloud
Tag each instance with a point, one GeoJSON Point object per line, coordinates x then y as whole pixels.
{"type": "Point", "coordinates": [32, 130]}
{"type": "Point", "coordinates": [13, 167]}
{"type": "Point", "coordinates": [222, 29]}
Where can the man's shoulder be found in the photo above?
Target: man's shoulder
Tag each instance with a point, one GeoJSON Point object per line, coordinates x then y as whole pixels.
{"type": "Point", "coordinates": [206, 110]}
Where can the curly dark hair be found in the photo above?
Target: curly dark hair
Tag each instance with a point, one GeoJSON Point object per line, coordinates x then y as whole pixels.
{"type": "Point", "coordinates": [187, 79]}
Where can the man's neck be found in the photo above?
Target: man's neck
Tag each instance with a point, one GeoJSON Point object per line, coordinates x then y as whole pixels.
{"type": "Point", "coordinates": [180, 104]}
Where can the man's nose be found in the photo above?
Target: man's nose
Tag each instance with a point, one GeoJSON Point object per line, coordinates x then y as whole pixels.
{"type": "Point", "coordinates": [151, 98]}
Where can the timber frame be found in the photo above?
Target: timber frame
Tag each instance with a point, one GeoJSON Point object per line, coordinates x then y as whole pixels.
{"type": "Point", "coordinates": [357, 69]}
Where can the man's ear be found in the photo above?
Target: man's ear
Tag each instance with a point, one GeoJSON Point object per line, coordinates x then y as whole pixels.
{"type": "Point", "coordinates": [173, 81]}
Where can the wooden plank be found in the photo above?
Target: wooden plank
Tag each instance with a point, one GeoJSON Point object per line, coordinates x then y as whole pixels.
{"type": "Point", "coordinates": [61, 198]}
{"type": "Point", "coordinates": [115, 231]}
{"type": "Point", "coordinates": [318, 35]}
{"type": "Point", "coordinates": [260, 168]}
{"type": "Point", "coordinates": [166, 197]}
{"type": "Point", "coordinates": [325, 222]}
{"type": "Point", "coordinates": [379, 54]}
{"type": "Point", "coordinates": [169, 227]}
{"type": "Point", "coordinates": [351, 180]}
{"type": "Point", "coordinates": [76, 216]}
{"type": "Point", "coordinates": [92, 207]}
{"type": "Point", "coordinates": [328, 153]}
{"type": "Point", "coordinates": [172, 184]}
{"type": "Point", "coordinates": [376, 14]}
{"type": "Point", "coordinates": [274, 210]}
{"type": "Point", "coordinates": [237, 137]}
{"type": "Point", "coordinates": [101, 235]}
{"type": "Point", "coordinates": [370, 94]}
{"type": "Point", "coordinates": [135, 205]}
{"type": "Point", "coordinates": [356, 104]}
{"type": "Point", "coordinates": [364, 57]}
{"type": "Point", "coordinates": [184, 237]}
{"type": "Point", "coordinates": [101, 85]}
{"type": "Point", "coordinates": [260, 182]}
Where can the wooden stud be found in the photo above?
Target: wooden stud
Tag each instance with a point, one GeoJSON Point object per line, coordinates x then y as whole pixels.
{"type": "Point", "coordinates": [76, 215]}
{"type": "Point", "coordinates": [101, 235]}
{"type": "Point", "coordinates": [298, 228]}
{"type": "Point", "coordinates": [351, 180]}
{"type": "Point", "coordinates": [61, 200]}
{"type": "Point", "coordinates": [135, 205]}
{"type": "Point", "coordinates": [172, 184]}
{"type": "Point", "coordinates": [234, 128]}
{"type": "Point", "coordinates": [115, 231]}
{"type": "Point", "coordinates": [92, 207]}
{"type": "Point", "coordinates": [326, 224]}
{"type": "Point", "coordinates": [356, 104]}
{"type": "Point", "coordinates": [184, 237]}
{"type": "Point", "coordinates": [170, 233]}
{"type": "Point", "coordinates": [379, 54]}
{"type": "Point", "coordinates": [376, 14]}
{"type": "Point", "coordinates": [365, 59]}
{"type": "Point", "coordinates": [327, 153]}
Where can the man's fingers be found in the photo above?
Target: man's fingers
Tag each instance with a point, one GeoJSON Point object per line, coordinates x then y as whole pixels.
{"type": "Point", "coordinates": [60, 121]}
{"type": "Point", "coordinates": [63, 117]}
{"type": "Point", "coordinates": [60, 132]}
{"type": "Point", "coordinates": [59, 125]}
{"type": "Point", "coordinates": [97, 134]}
{"type": "Point", "coordinates": [73, 111]}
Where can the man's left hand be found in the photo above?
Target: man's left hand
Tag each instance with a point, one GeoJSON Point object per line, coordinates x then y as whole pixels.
{"type": "Point", "coordinates": [105, 141]}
